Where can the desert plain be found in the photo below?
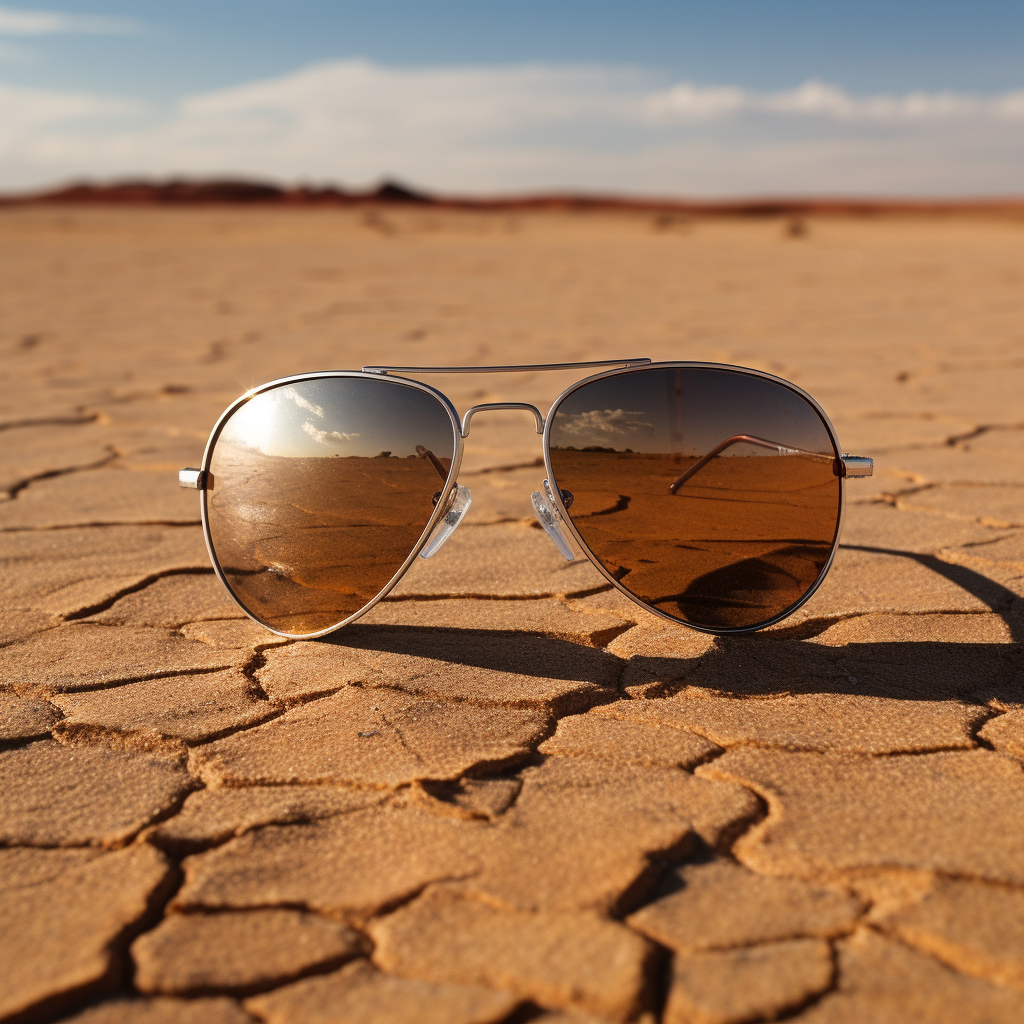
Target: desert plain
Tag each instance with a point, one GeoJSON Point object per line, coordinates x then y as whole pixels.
{"type": "Point", "coordinates": [507, 794]}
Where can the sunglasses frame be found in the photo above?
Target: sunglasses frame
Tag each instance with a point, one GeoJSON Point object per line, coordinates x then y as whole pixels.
{"type": "Point", "coordinates": [198, 478]}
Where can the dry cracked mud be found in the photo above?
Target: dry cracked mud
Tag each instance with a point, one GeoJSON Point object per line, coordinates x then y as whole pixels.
{"type": "Point", "coordinates": [507, 794]}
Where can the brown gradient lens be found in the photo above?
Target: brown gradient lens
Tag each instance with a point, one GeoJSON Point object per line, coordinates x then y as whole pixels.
{"type": "Point", "coordinates": [710, 494]}
{"type": "Point", "coordinates": [318, 492]}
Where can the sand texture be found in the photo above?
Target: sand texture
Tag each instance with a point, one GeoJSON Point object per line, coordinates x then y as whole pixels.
{"type": "Point", "coordinates": [507, 793]}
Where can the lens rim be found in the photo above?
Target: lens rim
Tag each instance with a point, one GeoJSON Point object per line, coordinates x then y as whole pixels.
{"type": "Point", "coordinates": [449, 485]}
{"type": "Point", "coordinates": [683, 364]}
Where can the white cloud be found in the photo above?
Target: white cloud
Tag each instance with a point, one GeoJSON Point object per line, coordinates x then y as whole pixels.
{"type": "Point", "coordinates": [303, 403]}
{"type": "Point", "coordinates": [603, 423]}
{"type": "Point", "coordinates": [18, 22]}
{"type": "Point", "coordinates": [317, 435]}
{"type": "Point", "coordinates": [41, 128]}
{"type": "Point", "coordinates": [325, 436]}
{"type": "Point", "coordinates": [499, 129]}
{"type": "Point", "coordinates": [819, 99]}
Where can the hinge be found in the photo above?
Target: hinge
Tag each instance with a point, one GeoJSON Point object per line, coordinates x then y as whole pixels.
{"type": "Point", "coordinates": [857, 465]}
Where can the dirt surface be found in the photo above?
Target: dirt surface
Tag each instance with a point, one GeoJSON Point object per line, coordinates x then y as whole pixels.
{"type": "Point", "coordinates": [507, 793]}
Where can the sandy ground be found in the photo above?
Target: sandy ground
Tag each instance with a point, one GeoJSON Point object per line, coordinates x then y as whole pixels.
{"type": "Point", "coordinates": [507, 793]}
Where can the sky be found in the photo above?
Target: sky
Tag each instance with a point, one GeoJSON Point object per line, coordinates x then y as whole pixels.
{"type": "Point", "coordinates": [714, 99]}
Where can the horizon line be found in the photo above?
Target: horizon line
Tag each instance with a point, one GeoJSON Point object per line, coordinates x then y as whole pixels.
{"type": "Point", "coordinates": [239, 191]}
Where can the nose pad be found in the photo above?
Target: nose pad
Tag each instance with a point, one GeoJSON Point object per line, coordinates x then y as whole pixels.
{"type": "Point", "coordinates": [548, 517]}
{"type": "Point", "coordinates": [460, 503]}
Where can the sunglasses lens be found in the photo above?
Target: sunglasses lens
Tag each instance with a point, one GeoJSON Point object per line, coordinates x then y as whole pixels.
{"type": "Point", "coordinates": [709, 494]}
{"type": "Point", "coordinates": [320, 490]}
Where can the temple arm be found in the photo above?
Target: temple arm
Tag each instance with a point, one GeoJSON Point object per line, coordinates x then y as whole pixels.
{"type": "Point", "coordinates": [847, 465]}
{"type": "Point", "coordinates": [426, 453]}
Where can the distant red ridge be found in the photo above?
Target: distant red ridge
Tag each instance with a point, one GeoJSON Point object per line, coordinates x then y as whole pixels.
{"type": "Point", "coordinates": [238, 192]}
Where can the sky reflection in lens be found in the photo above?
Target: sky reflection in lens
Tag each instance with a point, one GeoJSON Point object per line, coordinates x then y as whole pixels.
{"type": "Point", "coordinates": [335, 416]}
{"type": "Point", "coordinates": [685, 411]}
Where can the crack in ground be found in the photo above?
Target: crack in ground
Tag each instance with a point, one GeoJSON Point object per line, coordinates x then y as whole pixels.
{"type": "Point", "coordinates": [123, 967]}
{"type": "Point", "coordinates": [744, 825]}
{"type": "Point", "coordinates": [52, 421]}
{"type": "Point", "coordinates": [17, 488]}
{"type": "Point", "coordinates": [107, 603]}
{"type": "Point", "coordinates": [985, 428]}
{"type": "Point", "coordinates": [20, 742]}
{"type": "Point", "coordinates": [659, 980]}
{"type": "Point", "coordinates": [258, 660]}
{"type": "Point", "coordinates": [153, 743]}
{"type": "Point", "coordinates": [809, 628]}
{"type": "Point", "coordinates": [797, 1011]}
{"type": "Point", "coordinates": [950, 441]}
{"type": "Point", "coordinates": [601, 588]}
{"type": "Point", "coordinates": [28, 636]}
{"type": "Point", "coordinates": [940, 369]}
{"type": "Point", "coordinates": [980, 741]}
{"type": "Point", "coordinates": [102, 522]}
{"type": "Point", "coordinates": [574, 703]}
{"type": "Point", "coordinates": [1013, 532]}
{"type": "Point", "coordinates": [115, 684]}
{"type": "Point", "coordinates": [893, 497]}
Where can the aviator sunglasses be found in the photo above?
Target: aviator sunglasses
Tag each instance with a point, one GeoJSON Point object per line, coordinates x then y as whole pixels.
{"type": "Point", "coordinates": [710, 495]}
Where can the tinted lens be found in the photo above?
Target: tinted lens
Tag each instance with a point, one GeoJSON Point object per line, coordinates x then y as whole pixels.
{"type": "Point", "coordinates": [710, 494]}
{"type": "Point", "coordinates": [320, 490]}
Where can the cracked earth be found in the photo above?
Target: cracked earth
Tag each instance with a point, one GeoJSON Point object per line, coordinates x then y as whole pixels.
{"type": "Point", "coordinates": [507, 793]}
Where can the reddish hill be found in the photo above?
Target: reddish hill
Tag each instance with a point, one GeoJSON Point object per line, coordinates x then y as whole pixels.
{"type": "Point", "coordinates": [234, 192]}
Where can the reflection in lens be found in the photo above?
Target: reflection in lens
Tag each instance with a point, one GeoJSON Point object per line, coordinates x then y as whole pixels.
{"type": "Point", "coordinates": [320, 490]}
{"type": "Point", "coordinates": [710, 494]}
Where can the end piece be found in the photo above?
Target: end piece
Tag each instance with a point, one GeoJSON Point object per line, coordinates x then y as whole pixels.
{"type": "Point", "coordinates": [857, 465]}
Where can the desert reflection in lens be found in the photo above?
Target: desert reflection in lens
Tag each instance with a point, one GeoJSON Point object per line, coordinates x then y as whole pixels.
{"type": "Point", "coordinates": [709, 494]}
{"type": "Point", "coordinates": [320, 490]}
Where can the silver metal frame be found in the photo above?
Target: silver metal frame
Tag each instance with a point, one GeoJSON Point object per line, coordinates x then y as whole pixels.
{"type": "Point", "coordinates": [471, 412]}
{"type": "Point", "coordinates": [556, 493]}
{"type": "Point", "coordinates": [510, 368]}
{"type": "Point", "coordinates": [197, 478]}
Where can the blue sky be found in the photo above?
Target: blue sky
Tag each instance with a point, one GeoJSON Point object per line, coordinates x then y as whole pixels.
{"type": "Point", "coordinates": [723, 98]}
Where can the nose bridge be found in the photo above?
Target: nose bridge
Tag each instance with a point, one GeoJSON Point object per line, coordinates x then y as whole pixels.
{"type": "Point", "coordinates": [470, 413]}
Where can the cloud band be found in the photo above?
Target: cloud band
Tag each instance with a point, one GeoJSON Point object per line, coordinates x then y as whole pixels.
{"type": "Point", "coordinates": [500, 129]}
